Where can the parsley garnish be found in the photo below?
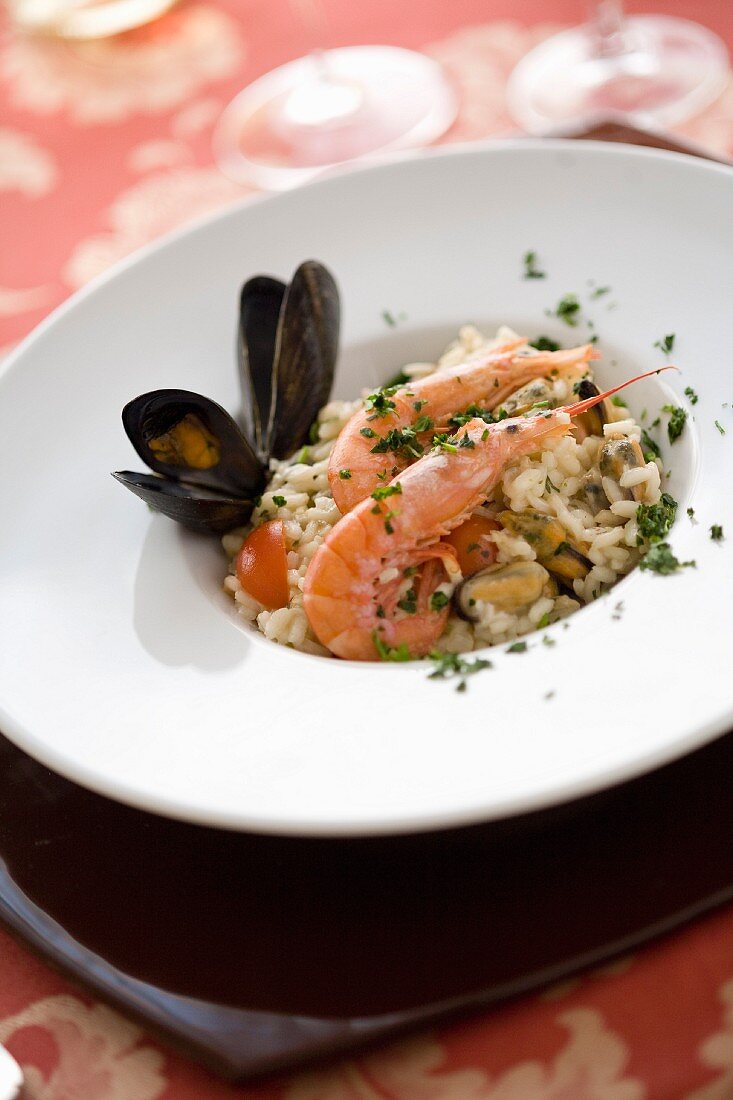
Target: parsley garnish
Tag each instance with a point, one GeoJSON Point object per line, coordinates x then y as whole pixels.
{"type": "Point", "coordinates": [689, 392]}
{"type": "Point", "coordinates": [568, 309]}
{"type": "Point", "coordinates": [443, 442]}
{"type": "Point", "coordinates": [384, 491]}
{"type": "Point", "coordinates": [465, 441]}
{"type": "Point", "coordinates": [367, 433]}
{"type": "Point", "coordinates": [544, 621]}
{"type": "Point", "coordinates": [716, 532]}
{"type": "Point", "coordinates": [720, 427]}
{"type": "Point", "coordinates": [544, 343]}
{"type": "Point", "coordinates": [438, 601]}
{"type": "Point", "coordinates": [388, 653]}
{"type": "Point", "coordinates": [600, 291]}
{"type": "Point", "coordinates": [618, 402]}
{"type": "Point", "coordinates": [390, 319]}
{"type": "Point", "coordinates": [517, 647]}
{"type": "Point", "coordinates": [417, 405]}
{"type": "Point", "coordinates": [379, 404]}
{"type": "Point", "coordinates": [408, 602]}
{"type": "Point", "coordinates": [399, 440]}
{"type": "Point", "coordinates": [655, 520]}
{"type": "Point", "coordinates": [666, 344]}
{"type": "Point", "coordinates": [388, 522]}
{"type": "Point", "coordinates": [345, 475]}
{"type": "Point", "coordinates": [677, 418]}
{"type": "Point", "coordinates": [279, 501]}
{"type": "Point", "coordinates": [546, 639]}
{"type": "Point", "coordinates": [691, 513]}
{"type": "Point", "coordinates": [313, 432]}
{"type": "Point", "coordinates": [531, 271]}
{"type": "Point", "coordinates": [450, 665]}
{"type": "Point", "coordinates": [303, 455]}
{"type": "Point", "coordinates": [423, 423]}
{"type": "Point", "coordinates": [651, 449]}
{"type": "Point", "coordinates": [660, 559]}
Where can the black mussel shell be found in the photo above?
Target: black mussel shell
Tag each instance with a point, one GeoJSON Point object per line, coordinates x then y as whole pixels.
{"type": "Point", "coordinates": [305, 356]}
{"type": "Point", "coordinates": [199, 509]}
{"type": "Point", "coordinates": [190, 438]}
{"type": "Point", "coordinates": [259, 314]}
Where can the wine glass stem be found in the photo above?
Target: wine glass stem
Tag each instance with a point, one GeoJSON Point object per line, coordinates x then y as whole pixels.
{"type": "Point", "coordinates": [607, 21]}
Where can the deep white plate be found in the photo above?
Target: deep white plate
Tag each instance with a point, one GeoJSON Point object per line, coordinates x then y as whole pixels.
{"type": "Point", "coordinates": [122, 663]}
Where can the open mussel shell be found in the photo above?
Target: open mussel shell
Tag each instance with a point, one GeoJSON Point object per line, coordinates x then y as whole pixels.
{"type": "Point", "coordinates": [260, 304]}
{"type": "Point", "coordinates": [592, 421]}
{"type": "Point", "coordinates": [549, 540]}
{"type": "Point", "coordinates": [511, 588]}
{"type": "Point", "coordinates": [190, 438]}
{"type": "Point", "coordinates": [199, 509]}
{"type": "Point", "coordinates": [305, 357]}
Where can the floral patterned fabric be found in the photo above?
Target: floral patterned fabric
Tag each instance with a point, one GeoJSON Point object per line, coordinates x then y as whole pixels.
{"type": "Point", "coordinates": [105, 146]}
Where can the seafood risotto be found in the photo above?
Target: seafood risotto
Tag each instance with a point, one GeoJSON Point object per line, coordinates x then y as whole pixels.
{"type": "Point", "coordinates": [543, 520]}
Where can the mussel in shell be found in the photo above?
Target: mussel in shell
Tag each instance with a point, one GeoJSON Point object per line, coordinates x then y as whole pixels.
{"type": "Point", "coordinates": [549, 540]}
{"type": "Point", "coordinates": [510, 588]}
{"type": "Point", "coordinates": [207, 471]}
{"type": "Point", "coordinates": [592, 421]}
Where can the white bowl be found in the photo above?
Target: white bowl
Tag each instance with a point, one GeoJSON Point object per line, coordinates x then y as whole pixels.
{"type": "Point", "coordinates": [123, 664]}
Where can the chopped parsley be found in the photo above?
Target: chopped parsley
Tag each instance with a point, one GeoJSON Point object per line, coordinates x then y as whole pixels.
{"type": "Point", "coordinates": [661, 559]}
{"type": "Point", "coordinates": [655, 520]}
{"type": "Point", "coordinates": [450, 665]}
{"type": "Point", "coordinates": [544, 621]}
{"type": "Point", "coordinates": [465, 441]}
{"type": "Point", "coordinates": [666, 344]}
{"type": "Point", "coordinates": [544, 343]}
{"type": "Point", "coordinates": [279, 501]}
{"type": "Point", "coordinates": [689, 392]}
{"type": "Point", "coordinates": [423, 424]}
{"type": "Point", "coordinates": [720, 427]}
{"type": "Point", "coordinates": [517, 647]}
{"type": "Point", "coordinates": [473, 412]}
{"type": "Point", "coordinates": [303, 455]}
{"type": "Point", "coordinates": [384, 491]}
{"type": "Point", "coordinates": [417, 405]}
{"type": "Point", "coordinates": [408, 602]}
{"type": "Point", "coordinates": [651, 448]}
{"type": "Point", "coordinates": [547, 640]}
{"type": "Point", "coordinates": [399, 441]}
{"type": "Point", "coordinates": [568, 309]}
{"type": "Point", "coordinates": [691, 513]}
{"type": "Point", "coordinates": [618, 402]}
{"type": "Point", "coordinates": [313, 432]}
{"type": "Point", "coordinates": [531, 271]}
{"type": "Point", "coordinates": [600, 291]}
{"type": "Point", "coordinates": [379, 404]}
{"type": "Point", "coordinates": [345, 475]}
{"type": "Point", "coordinates": [390, 319]}
{"type": "Point", "coordinates": [368, 433]}
{"type": "Point", "coordinates": [388, 522]}
{"type": "Point", "coordinates": [677, 418]}
{"type": "Point", "coordinates": [716, 532]}
{"type": "Point", "coordinates": [443, 442]}
{"type": "Point", "coordinates": [438, 601]}
{"type": "Point", "coordinates": [400, 379]}
{"type": "Point", "coordinates": [388, 653]}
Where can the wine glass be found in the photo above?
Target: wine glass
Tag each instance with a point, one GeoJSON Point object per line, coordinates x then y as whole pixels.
{"type": "Point", "coordinates": [329, 108]}
{"type": "Point", "coordinates": [649, 69]}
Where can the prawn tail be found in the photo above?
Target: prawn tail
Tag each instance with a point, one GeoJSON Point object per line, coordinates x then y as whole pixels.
{"type": "Point", "coordinates": [583, 406]}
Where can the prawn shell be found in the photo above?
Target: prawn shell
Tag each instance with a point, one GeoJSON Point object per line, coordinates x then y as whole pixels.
{"type": "Point", "coordinates": [260, 304]}
{"type": "Point", "coordinates": [306, 349]}
{"type": "Point", "coordinates": [187, 437]}
{"type": "Point", "coordinates": [197, 509]}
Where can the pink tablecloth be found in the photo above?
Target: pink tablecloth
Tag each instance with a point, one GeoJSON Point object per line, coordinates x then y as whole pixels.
{"type": "Point", "coordinates": [104, 147]}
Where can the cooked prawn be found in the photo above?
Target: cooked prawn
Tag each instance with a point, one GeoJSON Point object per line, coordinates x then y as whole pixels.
{"type": "Point", "coordinates": [363, 456]}
{"type": "Point", "coordinates": [355, 576]}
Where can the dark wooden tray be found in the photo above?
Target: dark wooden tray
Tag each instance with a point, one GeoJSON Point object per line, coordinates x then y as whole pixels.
{"type": "Point", "coordinates": [256, 954]}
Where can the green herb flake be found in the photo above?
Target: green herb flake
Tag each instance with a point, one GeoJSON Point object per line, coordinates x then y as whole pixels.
{"type": "Point", "coordinates": [368, 433]}
{"type": "Point", "coordinates": [517, 647]}
{"type": "Point", "coordinates": [438, 601]}
{"type": "Point", "coordinates": [600, 291]}
{"type": "Point", "coordinates": [547, 640]}
{"type": "Point", "coordinates": [531, 271]}
{"type": "Point", "coordinates": [618, 402]}
{"type": "Point", "coordinates": [544, 621]}
{"type": "Point", "coordinates": [388, 522]}
{"type": "Point", "coordinates": [388, 653]}
{"type": "Point", "coordinates": [716, 532]}
{"type": "Point", "coordinates": [466, 441]}
{"type": "Point", "coordinates": [313, 432]}
{"type": "Point", "coordinates": [690, 393]}
{"type": "Point", "coordinates": [384, 491]}
{"type": "Point", "coordinates": [691, 513]}
{"type": "Point", "coordinates": [423, 424]}
{"type": "Point", "coordinates": [660, 559]}
{"type": "Point", "coordinates": [448, 666]}
{"type": "Point", "coordinates": [379, 403]}
{"type": "Point", "coordinates": [666, 344]}
{"type": "Point", "coordinates": [654, 521]}
{"type": "Point", "coordinates": [279, 501]}
{"type": "Point", "coordinates": [544, 343]}
{"type": "Point", "coordinates": [720, 427]}
{"type": "Point", "coordinates": [408, 603]}
{"type": "Point", "coordinates": [417, 405]}
{"type": "Point", "coordinates": [568, 309]}
{"type": "Point", "coordinates": [345, 475]}
{"type": "Point", "coordinates": [677, 419]}
{"type": "Point", "coordinates": [650, 447]}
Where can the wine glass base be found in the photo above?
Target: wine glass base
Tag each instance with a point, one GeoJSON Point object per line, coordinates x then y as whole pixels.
{"type": "Point", "coordinates": [329, 109]}
{"type": "Point", "coordinates": [668, 70]}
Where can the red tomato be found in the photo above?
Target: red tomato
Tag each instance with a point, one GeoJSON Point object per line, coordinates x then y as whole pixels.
{"type": "Point", "coordinates": [262, 565]}
{"type": "Point", "coordinates": [472, 548]}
